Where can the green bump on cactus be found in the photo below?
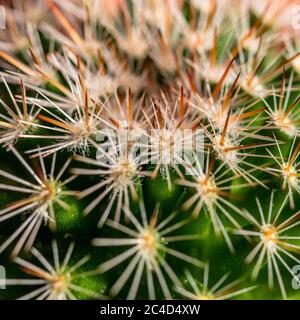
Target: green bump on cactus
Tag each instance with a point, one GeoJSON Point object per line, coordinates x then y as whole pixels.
{"type": "Point", "coordinates": [90, 284]}
{"type": "Point", "coordinates": [70, 217]}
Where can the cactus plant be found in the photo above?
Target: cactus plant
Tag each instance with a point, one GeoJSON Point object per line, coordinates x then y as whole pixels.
{"type": "Point", "coordinates": [150, 149]}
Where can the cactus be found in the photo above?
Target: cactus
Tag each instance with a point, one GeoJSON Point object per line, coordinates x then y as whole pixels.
{"type": "Point", "coordinates": [150, 149]}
